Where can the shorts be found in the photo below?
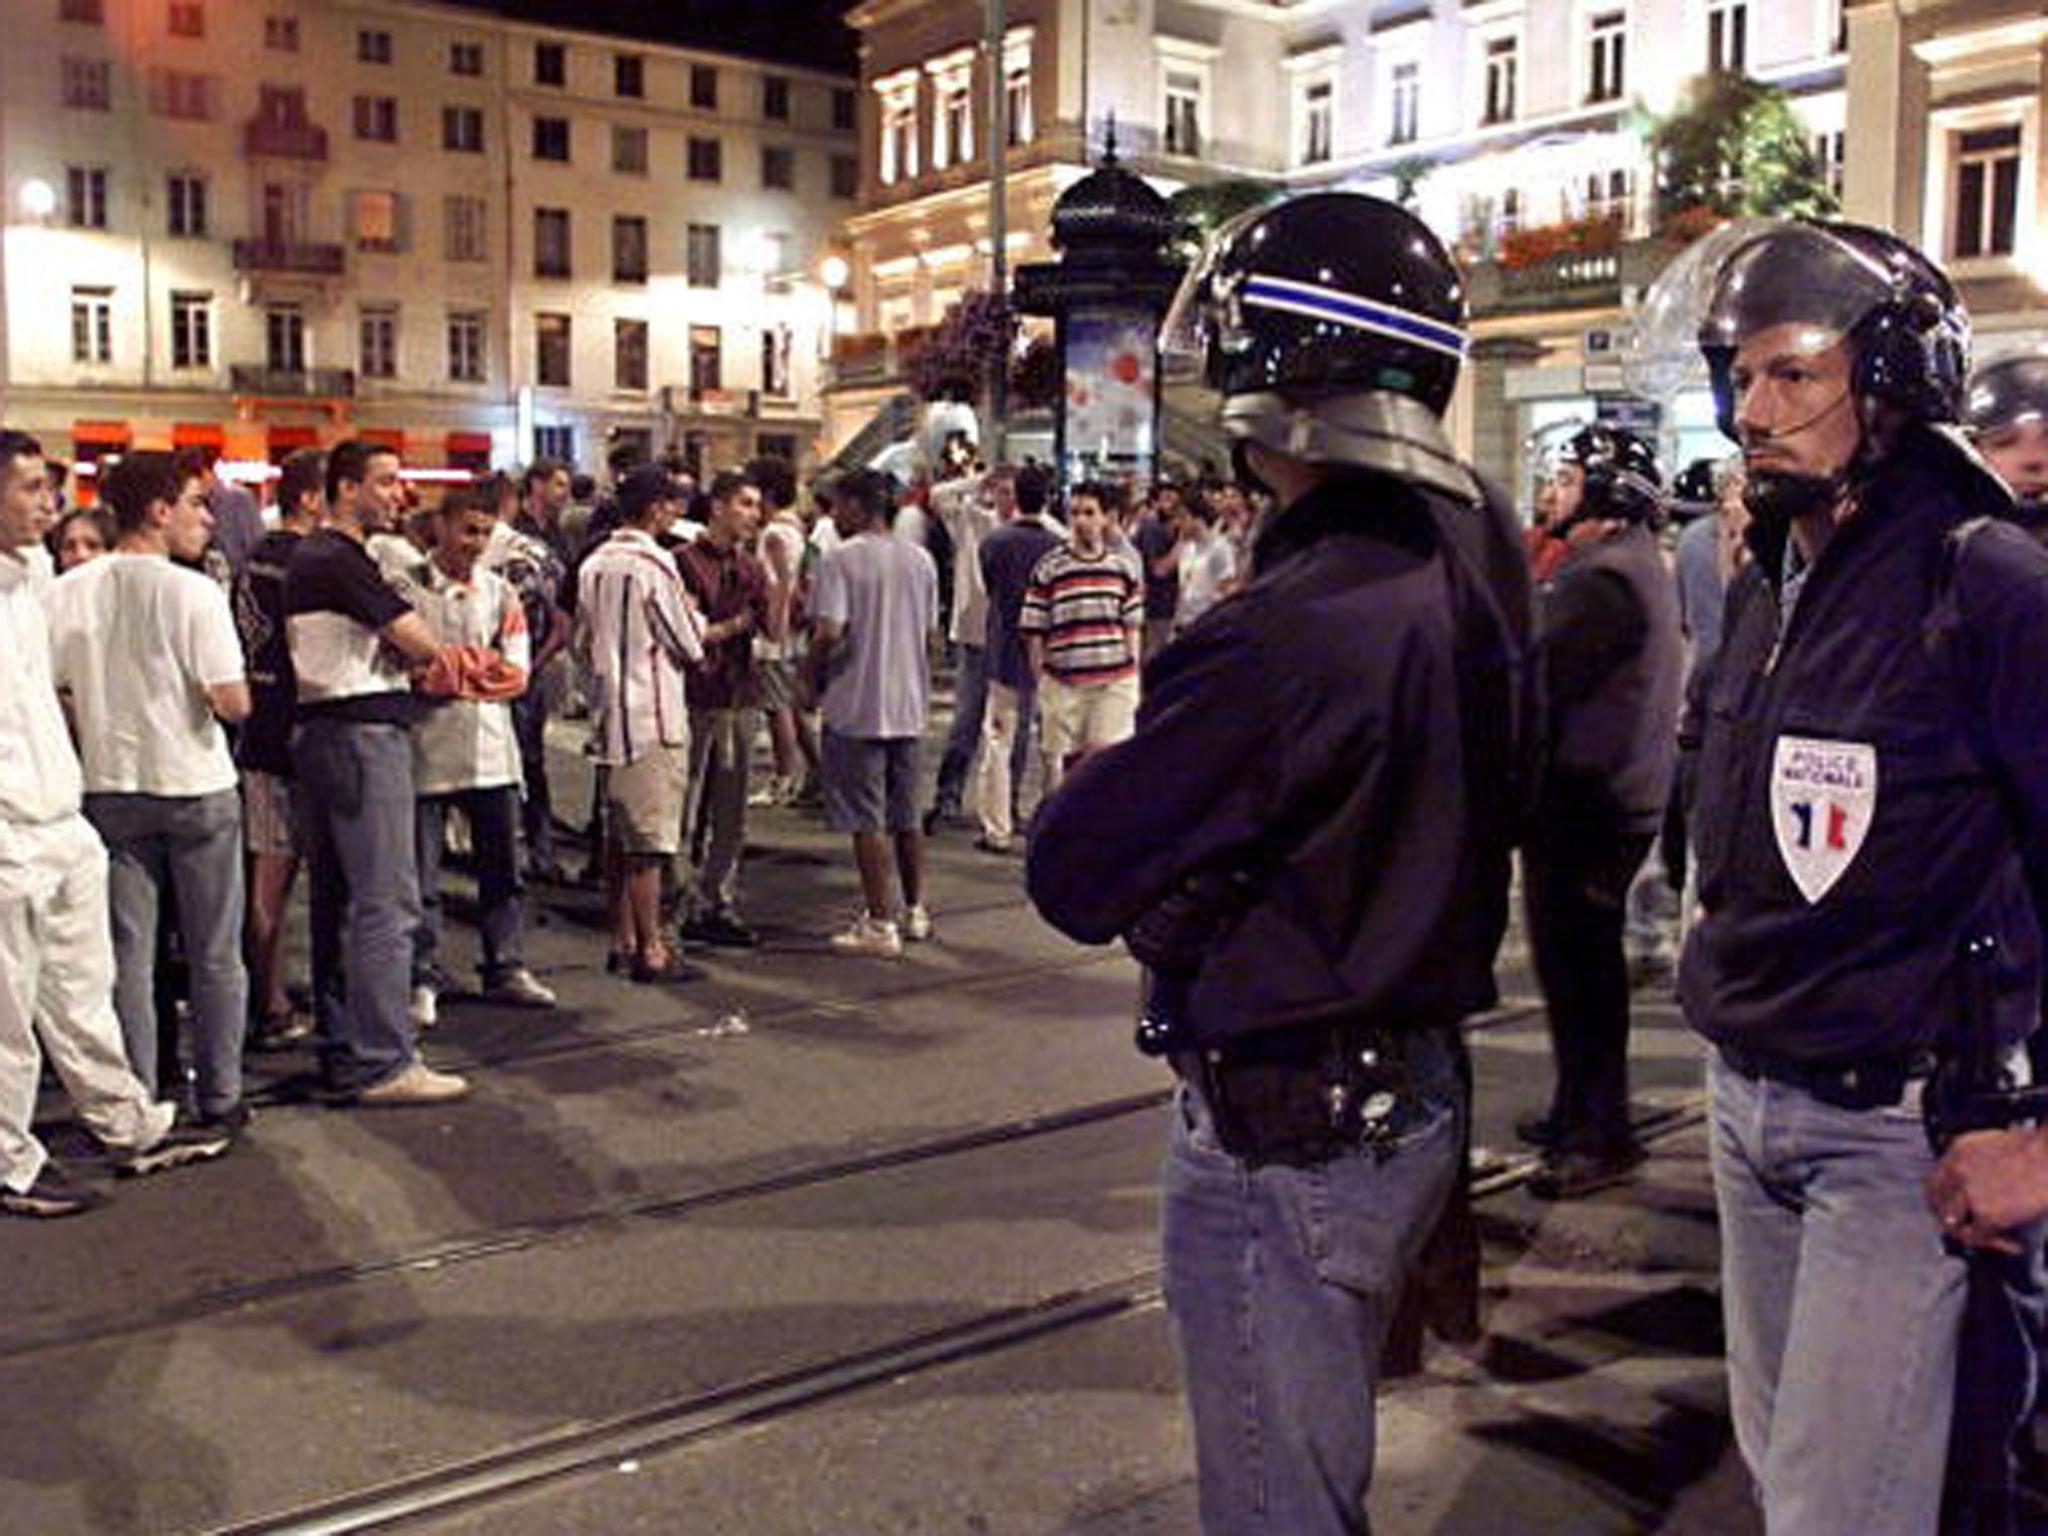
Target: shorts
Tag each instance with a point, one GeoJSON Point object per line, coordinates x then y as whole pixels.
{"type": "Point", "coordinates": [1075, 718]}
{"type": "Point", "coordinates": [775, 684]}
{"type": "Point", "coordinates": [870, 782]}
{"type": "Point", "coordinates": [267, 827]}
{"type": "Point", "coordinates": [646, 797]}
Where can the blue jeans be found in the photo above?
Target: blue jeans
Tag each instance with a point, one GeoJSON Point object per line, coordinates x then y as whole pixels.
{"type": "Point", "coordinates": [501, 891]}
{"type": "Point", "coordinates": [1282, 1282]}
{"type": "Point", "coordinates": [356, 804]}
{"type": "Point", "coordinates": [192, 845]}
{"type": "Point", "coordinates": [970, 697]}
{"type": "Point", "coordinates": [1842, 1308]}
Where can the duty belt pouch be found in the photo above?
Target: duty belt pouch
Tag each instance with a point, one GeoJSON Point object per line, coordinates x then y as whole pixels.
{"type": "Point", "coordinates": [1300, 1105]}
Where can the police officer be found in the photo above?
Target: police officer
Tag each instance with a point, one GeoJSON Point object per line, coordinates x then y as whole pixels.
{"type": "Point", "coordinates": [1614, 661]}
{"type": "Point", "coordinates": [1306, 842]}
{"type": "Point", "coordinates": [2008, 419]}
{"type": "Point", "coordinates": [1871, 772]}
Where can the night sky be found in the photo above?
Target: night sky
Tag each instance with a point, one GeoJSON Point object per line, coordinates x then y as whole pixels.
{"type": "Point", "coordinates": [794, 31]}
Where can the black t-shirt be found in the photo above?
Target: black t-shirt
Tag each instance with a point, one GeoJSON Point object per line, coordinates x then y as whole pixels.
{"type": "Point", "coordinates": [335, 604]}
{"type": "Point", "coordinates": [265, 744]}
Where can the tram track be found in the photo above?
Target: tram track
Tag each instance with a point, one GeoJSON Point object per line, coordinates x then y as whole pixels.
{"type": "Point", "coordinates": [618, 1444]}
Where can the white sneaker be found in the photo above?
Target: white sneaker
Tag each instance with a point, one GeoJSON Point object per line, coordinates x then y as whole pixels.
{"type": "Point", "coordinates": [425, 1009]}
{"type": "Point", "coordinates": [869, 936]}
{"type": "Point", "coordinates": [416, 1083]}
{"type": "Point", "coordinates": [917, 923]}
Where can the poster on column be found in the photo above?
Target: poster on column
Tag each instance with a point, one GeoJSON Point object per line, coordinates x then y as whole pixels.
{"type": "Point", "coordinates": [1112, 395]}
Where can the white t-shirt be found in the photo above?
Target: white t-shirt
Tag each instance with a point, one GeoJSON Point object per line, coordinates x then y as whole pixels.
{"type": "Point", "coordinates": [136, 641]}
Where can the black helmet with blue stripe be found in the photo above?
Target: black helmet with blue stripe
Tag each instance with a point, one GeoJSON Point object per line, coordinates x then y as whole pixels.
{"type": "Point", "coordinates": [1330, 293]}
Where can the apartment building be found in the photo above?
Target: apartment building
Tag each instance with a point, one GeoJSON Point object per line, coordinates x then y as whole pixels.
{"type": "Point", "coordinates": [1492, 117]}
{"type": "Point", "coordinates": [266, 223]}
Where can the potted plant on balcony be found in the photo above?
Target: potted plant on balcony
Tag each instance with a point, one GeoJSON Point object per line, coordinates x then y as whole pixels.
{"type": "Point", "coordinates": [1735, 147]}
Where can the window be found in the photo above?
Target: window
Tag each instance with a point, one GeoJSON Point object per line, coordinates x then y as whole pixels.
{"type": "Point", "coordinates": [1610, 196]}
{"type": "Point", "coordinates": [181, 94]}
{"type": "Point", "coordinates": [778, 167]}
{"type": "Point", "coordinates": [550, 242]}
{"type": "Point", "coordinates": [284, 338]}
{"type": "Point", "coordinates": [85, 196]}
{"type": "Point", "coordinates": [91, 12]}
{"type": "Point", "coordinates": [551, 138]}
{"type": "Point", "coordinates": [1503, 67]}
{"type": "Point", "coordinates": [1606, 56]}
{"type": "Point", "coordinates": [629, 354]}
{"type": "Point", "coordinates": [379, 222]}
{"type": "Point", "coordinates": [704, 87]}
{"type": "Point", "coordinates": [1404, 101]}
{"type": "Point", "coordinates": [467, 360]}
{"type": "Point", "coordinates": [88, 84]}
{"type": "Point", "coordinates": [843, 108]}
{"type": "Point", "coordinates": [92, 325]}
{"type": "Point", "coordinates": [776, 267]}
{"type": "Point", "coordinates": [185, 204]}
{"type": "Point", "coordinates": [775, 342]}
{"type": "Point", "coordinates": [629, 150]}
{"type": "Point", "coordinates": [1511, 210]}
{"type": "Point", "coordinates": [281, 34]}
{"type": "Point", "coordinates": [551, 350]}
{"type": "Point", "coordinates": [1183, 133]}
{"type": "Point", "coordinates": [702, 263]}
{"type": "Point", "coordinates": [373, 46]}
{"type": "Point", "coordinates": [775, 98]}
{"type": "Point", "coordinates": [629, 75]}
{"type": "Point", "coordinates": [281, 106]}
{"type": "Point", "coordinates": [1313, 139]}
{"type": "Point", "coordinates": [555, 443]}
{"type": "Point", "coordinates": [845, 176]}
{"type": "Point", "coordinates": [1727, 35]}
{"type": "Point", "coordinates": [191, 330]}
{"type": "Point", "coordinates": [284, 213]}
{"type": "Point", "coordinates": [1830, 151]}
{"type": "Point", "coordinates": [468, 239]}
{"type": "Point", "coordinates": [379, 331]}
{"type": "Point", "coordinates": [629, 249]}
{"type": "Point", "coordinates": [377, 119]}
{"type": "Point", "coordinates": [1987, 192]}
{"type": "Point", "coordinates": [704, 358]}
{"type": "Point", "coordinates": [187, 18]}
{"type": "Point", "coordinates": [707, 160]}
{"type": "Point", "coordinates": [1018, 126]}
{"type": "Point", "coordinates": [462, 129]}
{"type": "Point", "coordinates": [465, 58]}
{"type": "Point", "coordinates": [899, 127]}
{"type": "Point", "coordinates": [550, 64]}
{"type": "Point", "coordinates": [952, 109]}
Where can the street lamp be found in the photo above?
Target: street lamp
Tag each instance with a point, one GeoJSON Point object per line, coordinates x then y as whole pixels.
{"type": "Point", "coordinates": [38, 199]}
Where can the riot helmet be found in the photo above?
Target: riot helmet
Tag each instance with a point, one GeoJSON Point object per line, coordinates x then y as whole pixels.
{"type": "Point", "coordinates": [1695, 489]}
{"type": "Point", "coordinates": [1333, 324]}
{"type": "Point", "coordinates": [2007, 414]}
{"type": "Point", "coordinates": [1622, 480]}
{"type": "Point", "coordinates": [1903, 319]}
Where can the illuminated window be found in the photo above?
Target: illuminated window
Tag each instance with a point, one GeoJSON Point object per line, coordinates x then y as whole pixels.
{"type": "Point", "coordinates": [551, 350]}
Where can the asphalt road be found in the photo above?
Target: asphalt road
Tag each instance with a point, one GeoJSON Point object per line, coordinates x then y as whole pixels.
{"type": "Point", "coordinates": [816, 1244]}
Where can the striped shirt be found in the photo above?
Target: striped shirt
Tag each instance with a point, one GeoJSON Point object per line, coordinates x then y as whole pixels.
{"type": "Point", "coordinates": [1084, 608]}
{"type": "Point", "coordinates": [636, 629]}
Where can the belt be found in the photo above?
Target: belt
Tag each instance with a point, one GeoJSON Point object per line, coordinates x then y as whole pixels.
{"type": "Point", "coordinates": [1870, 1082]}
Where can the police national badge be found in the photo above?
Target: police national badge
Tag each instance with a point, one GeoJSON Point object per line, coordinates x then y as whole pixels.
{"type": "Point", "coordinates": [1823, 795]}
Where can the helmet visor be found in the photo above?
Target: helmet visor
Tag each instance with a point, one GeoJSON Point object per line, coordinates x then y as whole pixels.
{"type": "Point", "coordinates": [1797, 276]}
{"type": "Point", "coordinates": [1202, 316]}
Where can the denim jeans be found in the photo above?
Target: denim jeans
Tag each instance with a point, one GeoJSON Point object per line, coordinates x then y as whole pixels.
{"type": "Point", "coordinates": [530, 728]}
{"type": "Point", "coordinates": [1282, 1282]}
{"type": "Point", "coordinates": [356, 809]}
{"type": "Point", "coordinates": [190, 845]}
{"type": "Point", "coordinates": [715, 823]}
{"type": "Point", "coordinates": [970, 698]}
{"type": "Point", "coordinates": [501, 891]}
{"type": "Point", "coordinates": [1842, 1307]}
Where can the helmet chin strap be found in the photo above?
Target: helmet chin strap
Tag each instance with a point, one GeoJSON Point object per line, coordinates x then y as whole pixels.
{"type": "Point", "coordinates": [1782, 497]}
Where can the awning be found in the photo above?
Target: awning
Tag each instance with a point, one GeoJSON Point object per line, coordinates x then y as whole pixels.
{"type": "Point", "coordinates": [285, 441]}
{"type": "Point", "coordinates": [392, 438]}
{"type": "Point", "coordinates": [198, 434]}
{"type": "Point", "coordinates": [102, 435]}
{"type": "Point", "coordinates": [469, 442]}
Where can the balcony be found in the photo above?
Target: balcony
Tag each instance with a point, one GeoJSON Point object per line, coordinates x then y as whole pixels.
{"type": "Point", "coordinates": [1565, 279]}
{"type": "Point", "coordinates": [293, 258]}
{"type": "Point", "coordinates": [293, 383]}
{"type": "Point", "coordinates": [265, 138]}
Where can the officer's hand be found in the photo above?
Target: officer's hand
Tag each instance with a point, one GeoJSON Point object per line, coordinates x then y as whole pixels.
{"type": "Point", "coordinates": [1988, 1183]}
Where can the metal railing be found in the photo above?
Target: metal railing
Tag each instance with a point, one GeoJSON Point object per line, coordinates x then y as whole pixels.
{"type": "Point", "coordinates": [297, 256]}
{"type": "Point", "coordinates": [309, 383]}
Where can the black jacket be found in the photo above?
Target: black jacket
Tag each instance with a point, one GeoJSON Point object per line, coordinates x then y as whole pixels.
{"type": "Point", "coordinates": [1921, 666]}
{"type": "Point", "coordinates": [1314, 734]}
